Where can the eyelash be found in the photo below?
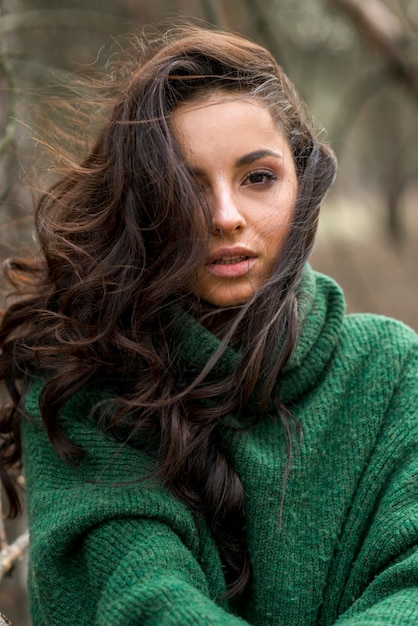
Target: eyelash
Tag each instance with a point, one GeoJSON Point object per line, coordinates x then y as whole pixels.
{"type": "Point", "coordinates": [266, 176]}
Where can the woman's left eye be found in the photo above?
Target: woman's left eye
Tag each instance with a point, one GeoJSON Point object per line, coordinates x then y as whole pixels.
{"type": "Point", "coordinates": [259, 177]}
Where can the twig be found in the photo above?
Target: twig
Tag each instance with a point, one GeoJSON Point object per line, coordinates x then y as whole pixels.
{"type": "Point", "coordinates": [212, 12]}
{"type": "Point", "coordinates": [267, 28]}
{"type": "Point", "coordinates": [4, 621]}
{"type": "Point", "coordinates": [384, 32]}
{"type": "Point", "coordinates": [10, 554]}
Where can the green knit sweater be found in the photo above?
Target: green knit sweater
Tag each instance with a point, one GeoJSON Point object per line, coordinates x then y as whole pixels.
{"type": "Point", "coordinates": [344, 551]}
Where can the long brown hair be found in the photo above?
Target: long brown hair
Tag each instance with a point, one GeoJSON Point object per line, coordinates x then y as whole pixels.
{"type": "Point", "coordinates": [120, 238]}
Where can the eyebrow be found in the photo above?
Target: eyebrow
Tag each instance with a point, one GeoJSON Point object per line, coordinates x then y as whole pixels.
{"type": "Point", "coordinates": [245, 159]}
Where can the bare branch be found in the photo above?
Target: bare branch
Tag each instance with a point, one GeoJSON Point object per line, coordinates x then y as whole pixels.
{"type": "Point", "coordinates": [4, 621]}
{"type": "Point", "coordinates": [10, 554]}
{"type": "Point", "coordinates": [212, 13]}
{"type": "Point", "coordinates": [385, 33]}
{"type": "Point", "coordinates": [266, 27]}
{"type": "Point", "coordinates": [382, 28]}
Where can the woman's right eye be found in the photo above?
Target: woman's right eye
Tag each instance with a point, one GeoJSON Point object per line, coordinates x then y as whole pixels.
{"type": "Point", "coordinates": [259, 177]}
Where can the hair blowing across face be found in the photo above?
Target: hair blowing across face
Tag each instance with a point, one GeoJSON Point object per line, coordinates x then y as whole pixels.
{"type": "Point", "coordinates": [120, 239]}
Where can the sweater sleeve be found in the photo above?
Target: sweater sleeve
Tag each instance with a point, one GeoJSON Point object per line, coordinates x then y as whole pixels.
{"type": "Point", "coordinates": [125, 572]}
{"type": "Point", "coordinates": [157, 582]}
{"type": "Point", "coordinates": [109, 548]}
{"type": "Point", "coordinates": [385, 570]}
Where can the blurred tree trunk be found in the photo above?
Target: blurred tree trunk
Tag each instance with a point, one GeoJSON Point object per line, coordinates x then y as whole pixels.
{"type": "Point", "coordinates": [212, 13]}
{"type": "Point", "coordinates": [385, 33]}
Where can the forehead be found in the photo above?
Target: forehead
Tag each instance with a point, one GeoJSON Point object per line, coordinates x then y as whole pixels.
{"type": "Point", "coordinates": [227, 120]}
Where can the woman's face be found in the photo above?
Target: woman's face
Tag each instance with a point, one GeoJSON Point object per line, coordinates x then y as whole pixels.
{"type": "Point", "coordinates": [244, 166]}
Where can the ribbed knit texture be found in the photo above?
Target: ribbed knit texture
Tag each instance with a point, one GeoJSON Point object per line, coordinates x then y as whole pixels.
{"type": "Point", "coordinates": [344, 549]}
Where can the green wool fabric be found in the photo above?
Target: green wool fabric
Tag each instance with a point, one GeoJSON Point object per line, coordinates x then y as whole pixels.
{"type": "Point", "coordinates": [340, 547]}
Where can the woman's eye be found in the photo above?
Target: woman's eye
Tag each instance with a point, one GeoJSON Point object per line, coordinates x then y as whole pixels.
{"type": "Point", "coordinates": [259, 178]}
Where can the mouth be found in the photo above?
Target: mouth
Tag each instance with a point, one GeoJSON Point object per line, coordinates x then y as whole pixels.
{"type": "Point", "coordinates": [231, 263]}
{"type": "Point", "coordinates": [230, 260]}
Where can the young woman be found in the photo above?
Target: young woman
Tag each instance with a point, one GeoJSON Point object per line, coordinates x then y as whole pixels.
{"type": "Point", "coordinates": [207, 437]}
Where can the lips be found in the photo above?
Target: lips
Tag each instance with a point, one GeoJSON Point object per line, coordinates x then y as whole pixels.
{"type": "Point", "coordinates": [231, 262]}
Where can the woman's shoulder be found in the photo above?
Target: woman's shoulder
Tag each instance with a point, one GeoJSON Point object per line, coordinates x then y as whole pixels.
{"type": "Point", "coordinates": [344, 348]}
{"type": "Point", "coordinates": [362, 331]}
{"type": "Point", "coordinates": [382, 336]}
{"type": "Point", "coordinates": [84, 421]}
{"type": "Point", "coordinates": [104, 463]}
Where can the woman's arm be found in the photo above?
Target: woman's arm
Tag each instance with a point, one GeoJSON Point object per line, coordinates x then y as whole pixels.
{"type": "Point", "coordinates": [383, 584]}
{"type": "Point", "coordinates": [108, 548]}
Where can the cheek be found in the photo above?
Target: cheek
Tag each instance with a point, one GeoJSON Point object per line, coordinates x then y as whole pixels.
{"type": "Point", "coordinates": [273, 227]}
{"type": "Point", "coordinates": [282, 215]}
{"type": "Point", "coordinates": [272, 234]}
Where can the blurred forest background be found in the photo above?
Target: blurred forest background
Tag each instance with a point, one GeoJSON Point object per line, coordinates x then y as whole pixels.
{"type": "Point", "coordinates": [354, 61]}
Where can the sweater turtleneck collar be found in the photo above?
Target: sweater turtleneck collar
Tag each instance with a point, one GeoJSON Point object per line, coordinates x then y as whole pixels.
{"type": "Point", "coordinates": [321, 308]}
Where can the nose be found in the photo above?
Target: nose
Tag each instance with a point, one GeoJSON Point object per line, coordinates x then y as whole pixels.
{"type": "Point", "coordinates": [227, 216]}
